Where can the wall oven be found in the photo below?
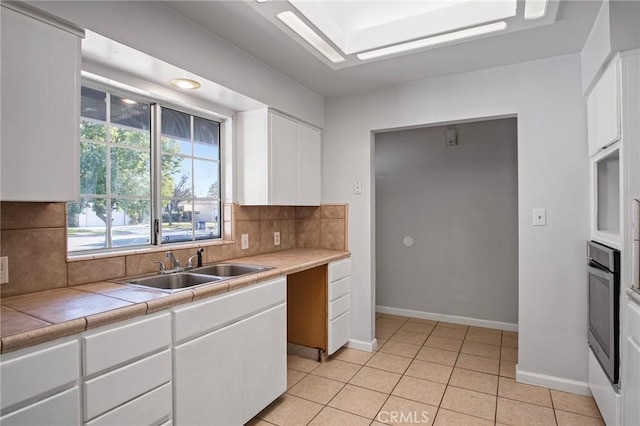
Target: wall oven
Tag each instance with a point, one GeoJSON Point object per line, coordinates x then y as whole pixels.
{"type": "Point", "coordinates": [604, 306]}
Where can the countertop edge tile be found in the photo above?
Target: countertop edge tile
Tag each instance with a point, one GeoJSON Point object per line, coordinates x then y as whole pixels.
{"type": "Point", "coordinates": [41, 335]}
{"type": "Point", "coordinates": [116, 315]}
{"type": "Point", "coordinates": [293, 260]}
{"type": "Point", "coordinates": [162, 303]}
{"type": "Point", "coordinates": [210, 290]}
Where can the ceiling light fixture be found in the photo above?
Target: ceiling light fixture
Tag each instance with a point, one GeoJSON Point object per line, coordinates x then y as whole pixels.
{"type": "Point", "coordinates": [128, 101]}
{"type": "Point", "coordinates": [261, 1]}
{"type": "Point", "coordinates": [431, 41]}
{"type": "Point", "coordinates": [185, 83]}
{"type": "Point", "coordinates": [534, 9]}
{"type": "Point", "coordinates": [296, 24]}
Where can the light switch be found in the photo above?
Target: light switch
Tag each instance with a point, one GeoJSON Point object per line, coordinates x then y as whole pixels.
{"type": "Point", "coordinates": [357, 188]}
{"type": "Point", "coordinates": [539, 217]}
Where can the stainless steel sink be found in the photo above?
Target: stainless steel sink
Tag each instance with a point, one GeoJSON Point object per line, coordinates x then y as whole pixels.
{"type": "Point", "coordinates": [229, 269]}
{"type": "Point", "coordinates": [172, 283]}
{"type": "Point", "coordinates": [177, 281]}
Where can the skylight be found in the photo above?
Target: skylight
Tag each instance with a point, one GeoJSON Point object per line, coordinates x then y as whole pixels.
{"type": "Point", "coordinates": [344, 33]}
{"type": "Point", "coordinates": [357, 26]}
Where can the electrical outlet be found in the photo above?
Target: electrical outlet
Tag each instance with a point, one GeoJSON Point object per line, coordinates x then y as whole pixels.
{"type": "Point", "coordinates": [245, 241]}
{"type": "Point", "coordinates": [4, 270]}
{"type": "Point", "coordinates": [276, 238]}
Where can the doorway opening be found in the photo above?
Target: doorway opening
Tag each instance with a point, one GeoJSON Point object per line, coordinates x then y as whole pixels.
{"type": "Point", "coordinates": [446, 222]}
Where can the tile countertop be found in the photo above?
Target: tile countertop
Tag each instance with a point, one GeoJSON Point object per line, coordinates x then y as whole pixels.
{"type": "Point", "coordinates": [34, 318]}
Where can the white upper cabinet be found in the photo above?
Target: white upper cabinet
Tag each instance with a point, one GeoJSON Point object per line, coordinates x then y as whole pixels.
{"type": "Point", "coordinates": [40, 108]}
{"type": "Point", "coordinates": [603, 110]}
{"type": "Point", "coordinates": [278, 160]}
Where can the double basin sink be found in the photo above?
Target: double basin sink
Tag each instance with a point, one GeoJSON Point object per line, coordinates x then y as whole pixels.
{"type": "Point", "coordinates": [204, 275]}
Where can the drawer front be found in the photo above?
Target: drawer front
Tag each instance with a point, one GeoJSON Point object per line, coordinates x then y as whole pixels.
{"type": "Point", "coordinates": [339, 289]}
{"type": "Point", "coordinates": [124, 384]}
{"type": "Point", "coordinates": [62, 409]}
{"type": "Point", "coordinates": [34, 374]}
{"type": "Point", "coordinates": [339, 306]}
{"type": "Point", "coordinates": [339, 269]}
{"type": "Point", "coordinates": [98, 347]}
{"type": "Point", "coordinates": [633, 313]}
{"type": "Point", "coordinates": [339, 332]}
{"type": "Point", "coordinates": [148, 409]}
{"type": "Point", "coordinates": [199, 318]}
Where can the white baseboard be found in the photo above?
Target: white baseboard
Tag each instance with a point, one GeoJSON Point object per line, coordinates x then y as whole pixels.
{"type": "Point", "coordinates": [363, 345]}
{"type": "Point", "coordinates": [447, 318]}
{"type": "Point", "coordinates": [552, 382]}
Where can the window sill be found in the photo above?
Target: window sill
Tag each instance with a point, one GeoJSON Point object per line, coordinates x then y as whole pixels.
{"type": "Point", "coordinates": [145, 250]}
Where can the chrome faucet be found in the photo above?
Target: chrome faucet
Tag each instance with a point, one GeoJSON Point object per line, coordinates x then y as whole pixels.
{"type": "Point", "coordinates": [175, 263]}
{"type": "Point", "coordinates": [199, 256]}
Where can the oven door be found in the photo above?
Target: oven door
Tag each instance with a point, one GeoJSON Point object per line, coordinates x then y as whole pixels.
{"type": "Point", "coordinates": [603, 318]}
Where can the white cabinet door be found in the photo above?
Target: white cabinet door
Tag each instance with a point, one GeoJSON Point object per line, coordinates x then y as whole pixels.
{"type": "Point", "coordinates": [284, 160]}
{"type": "Point", "coordinates": [339, 319]}
{"type": "Point", "coordinates": [30, 375]}
{"type": "Point", "coordinates": [41, 110]}
{"type": "Point", "coordinates": [631, 366]}
{"type": "Point", "coordinates": [278, 160]}
{"type": "Point", "coordinates": [207, 379]}
{"type": "Point", "coordinates": [603, 110]}
{"type": "Point", "coordinates": [309, 173]}
{"type": "Point", "coordinates": [62, 409]}
{"type": "Point", "coordinates": [264, 370]}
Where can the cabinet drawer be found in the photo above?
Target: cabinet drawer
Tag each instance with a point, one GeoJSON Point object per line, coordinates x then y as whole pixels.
{"type": "Point", "coordinates": [339, 289]}
{"type": "Point", "coordinates": [148, 409]}
{"type": "Point", "coordinates": [117, 387]}
{"type": "Point", "coordinates": [99, 353]}
{"type": "Point", "coordinates": [339, 332]}
{"type": "Point", "coordinates": [34, 374]}
{"type": "Point", "coordinates": [197, 319]}
{"type": "Point", "coordinates": [339, 306]}
{"type": "Point", "coordinates": [61, 409]}
{"type": "Point", "coordinates": [633, 313]}
{"type": "Point", "coordinates": [339, 269]}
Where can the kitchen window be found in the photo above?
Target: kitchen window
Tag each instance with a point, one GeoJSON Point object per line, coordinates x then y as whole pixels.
{"type": "Point", "coordinates": [139, 186]}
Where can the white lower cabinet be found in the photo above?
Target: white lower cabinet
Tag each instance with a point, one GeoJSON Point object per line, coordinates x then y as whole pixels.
{"type": "Point", "coordinates": [216, 362]}
{"type": "Point", "coordinates": [631, 366]}
{"type": "Point", "coordinates": [127, 372]}
{"type": "Point", "coordinates": [264, 356]}
{"type": "Point", "coordinates": [229, 374]}
{"type": "Point", "coordinates": [148, 409]}
{"type": "Point", "coordinates": [339, 321]}
{"type": "Point", "coordinates": [39, 386]}
{"type": "Point", "coordinates": [62, 409]}
{"type": "Point", "coordinates": [206, 379]}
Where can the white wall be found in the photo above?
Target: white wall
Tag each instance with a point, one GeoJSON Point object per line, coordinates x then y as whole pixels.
{"type": "Point", "coordinates": [460, 206]}
{"type": "Point", "coordinates": [153, 28]}
{"type": "Point", "coordinates": [552, 173]}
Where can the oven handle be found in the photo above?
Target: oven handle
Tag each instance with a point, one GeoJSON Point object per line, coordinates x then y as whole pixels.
{"type": "Point", "coordinates": [597, 269]}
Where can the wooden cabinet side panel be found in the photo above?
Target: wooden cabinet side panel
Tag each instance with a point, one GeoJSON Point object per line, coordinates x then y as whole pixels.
{"type": "Point", "coordinates": [307, 308]}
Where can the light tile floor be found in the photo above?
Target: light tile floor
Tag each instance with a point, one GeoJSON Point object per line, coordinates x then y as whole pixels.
{"type": "Point", "coordinates": [424, 372]}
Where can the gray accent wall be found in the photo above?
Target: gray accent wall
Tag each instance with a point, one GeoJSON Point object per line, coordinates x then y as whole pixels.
{"type": "Point", "coordinates": [460, 206]}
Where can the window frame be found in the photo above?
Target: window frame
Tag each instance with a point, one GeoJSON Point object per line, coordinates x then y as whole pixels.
{"type": "Point", "coordinates": [156, 104]}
